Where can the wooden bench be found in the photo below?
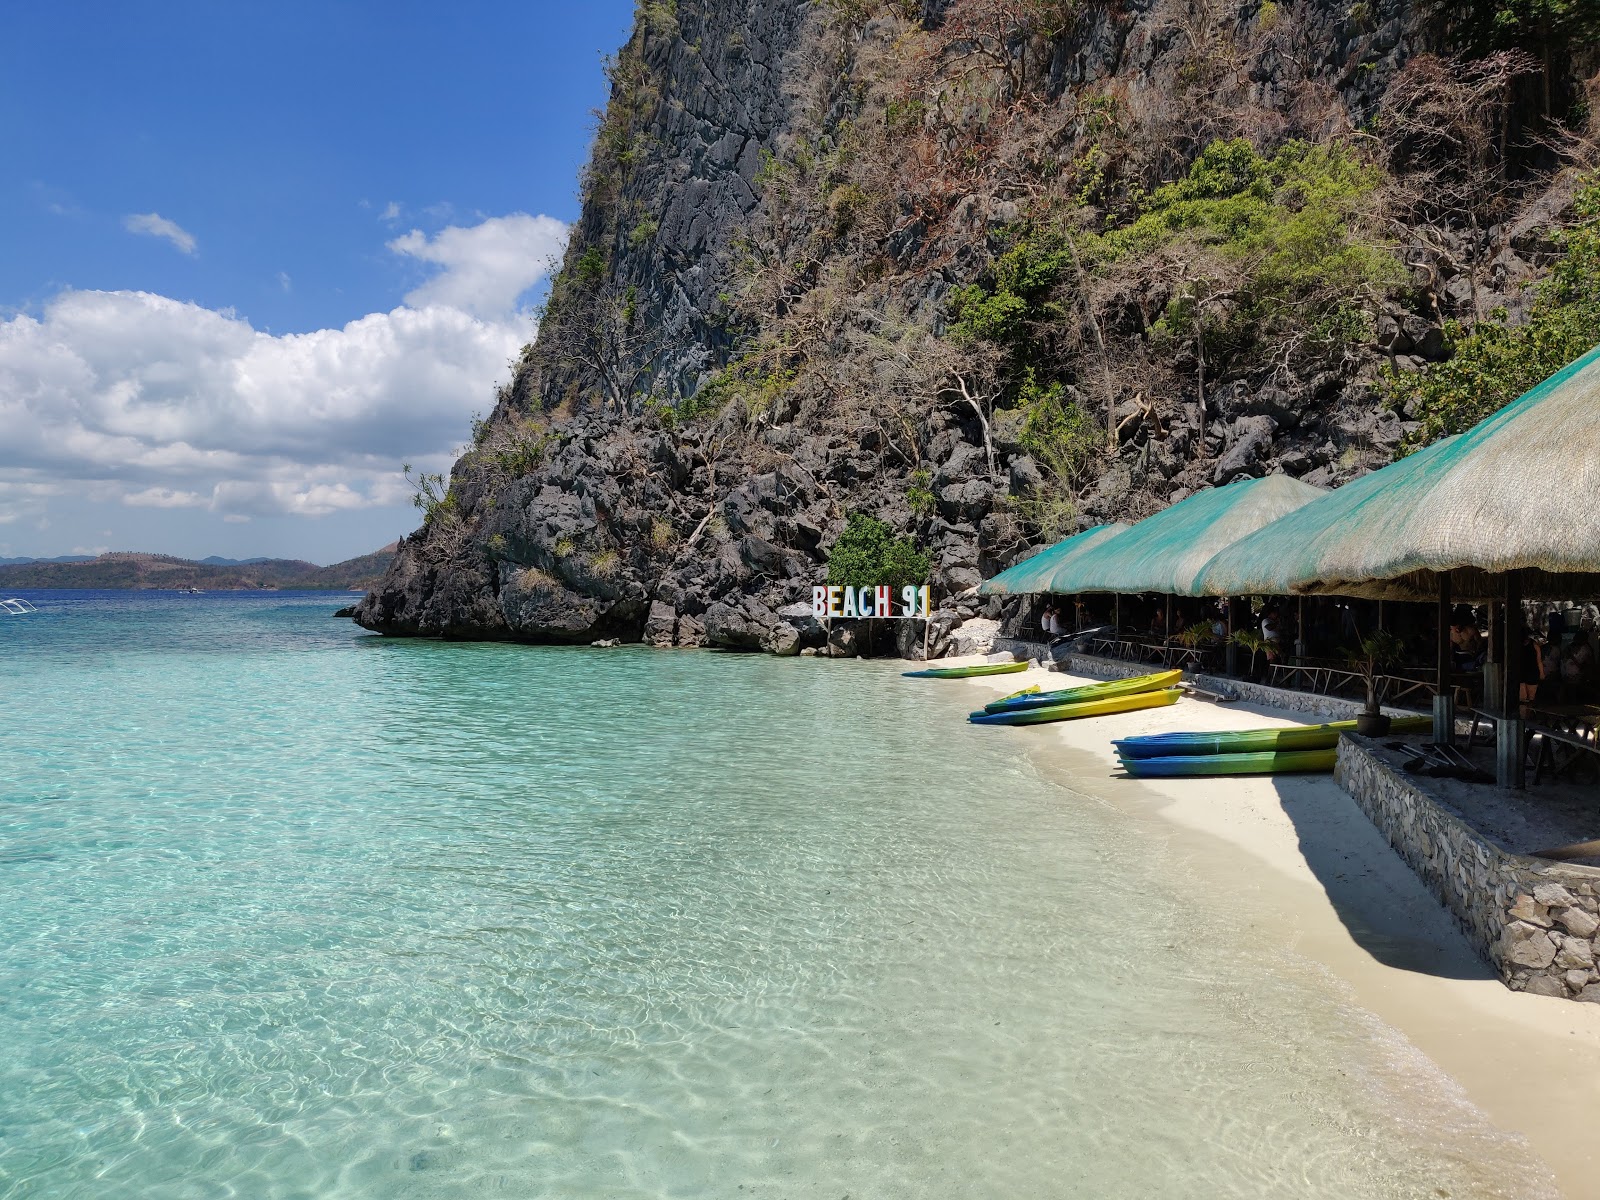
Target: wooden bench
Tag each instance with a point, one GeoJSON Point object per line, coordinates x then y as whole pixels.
{"type": "Point", "coordinates": [1549, 756]}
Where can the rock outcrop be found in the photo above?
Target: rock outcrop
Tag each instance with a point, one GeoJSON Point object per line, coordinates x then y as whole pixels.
{"type": "Point", "coordinates": [749, 337]}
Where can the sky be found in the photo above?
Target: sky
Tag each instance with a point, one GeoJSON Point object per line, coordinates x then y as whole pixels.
{"type": "Point", "coordinates": [255, 257]}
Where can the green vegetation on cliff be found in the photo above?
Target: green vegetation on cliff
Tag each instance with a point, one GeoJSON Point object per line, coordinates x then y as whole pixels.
{"type": "Point", "coordinates": [1494, 362]}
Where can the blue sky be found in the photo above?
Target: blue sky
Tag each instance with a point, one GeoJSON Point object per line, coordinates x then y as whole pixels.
{"type": "Point", "coordinates": [255, 256]}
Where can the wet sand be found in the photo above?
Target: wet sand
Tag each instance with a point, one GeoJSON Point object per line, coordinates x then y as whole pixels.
{"type": "Point", "coordinates": [1334, 892]}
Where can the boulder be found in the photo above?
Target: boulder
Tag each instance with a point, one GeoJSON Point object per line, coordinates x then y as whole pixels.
{"type": "Point", "coordinates": [661, 626]}
{"type": "Point", "coordinates": [843, 642]}
{"type": "Point", "coordinates": [1577, 922]}
{"type": "Point", "coordinates": [691, 631]}
{"type": "Point", "coordinates": [1526, 945]}
{"type": "Point", "coordinates": [1249, 440]}
{"type": "Point", "coordinates": [733, 628]}
{"type": "Point", "coordinates": [975, 636]}
{"type": "Point", "coordinates": [783, 640]}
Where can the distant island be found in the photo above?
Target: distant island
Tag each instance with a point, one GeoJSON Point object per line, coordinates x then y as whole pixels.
{"type": "Point", "coordinates": [124, 569]}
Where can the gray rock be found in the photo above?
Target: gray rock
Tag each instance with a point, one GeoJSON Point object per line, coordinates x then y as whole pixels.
{"type": "Point", "coordinates": [1553, 895]}
{"type": "Point", "coordinates": [783, 640]}
{"type": "Point", "coordinates": [1577, 922]}
{"type": "Point", "coordinates": [1526, 908]}
{"type": "Point", "coordinates": [843, 642]}
{"type": "Point", "coordinates": [1577, 980]}
{"type": "Point", "coordinates": [1527, 946]}
{"type": "Point", "coordinates": [607, 643]}
{"type": "Point", "coordinates": [1250, 437]}
{"type": "Point", "coordinates": [1025, 477]}
{"type": "Point", "coordinates": [691, 631]}
{"type": "Point", "coordinates": [661, 626]}
{"type": "Point", "coordinates": [1546, 985]}
{"type": "Point", "coordinates": [975, 636]}
{"type": "Point", "coordinates": [1575, 952]}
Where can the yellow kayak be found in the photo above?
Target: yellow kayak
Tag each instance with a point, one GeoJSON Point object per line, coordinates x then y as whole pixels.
{"type": "Point", "coordinates": [1083, 708]}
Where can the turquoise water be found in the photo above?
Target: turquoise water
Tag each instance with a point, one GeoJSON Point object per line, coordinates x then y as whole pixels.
{"type": "Point", "coordinates": [289, 910]}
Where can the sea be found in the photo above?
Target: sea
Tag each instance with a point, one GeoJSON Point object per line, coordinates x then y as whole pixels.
{"type": "Point", "coordinates": [288, 909]}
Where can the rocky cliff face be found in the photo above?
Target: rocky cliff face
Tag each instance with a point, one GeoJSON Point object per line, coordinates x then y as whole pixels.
{"type": "Point", "coordinates": [846, 256]}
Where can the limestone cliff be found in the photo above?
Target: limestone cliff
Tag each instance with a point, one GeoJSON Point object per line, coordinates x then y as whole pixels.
{"type": "Point", "coordinates": [989, 270]}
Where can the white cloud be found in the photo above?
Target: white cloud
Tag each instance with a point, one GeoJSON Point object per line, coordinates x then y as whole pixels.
{"type": "Point", "coordinates": [160, 497]}
{"type": "Point", "coordinates": [158, 403]}
{"type": "Point", "coordinates": [486, 267]}
{"type": "Point", "coordinates": [391, 212]}
{"type": "Point", "coordinates": [285, 282]}
{"type": "Point", "coordinates": [155, 225]}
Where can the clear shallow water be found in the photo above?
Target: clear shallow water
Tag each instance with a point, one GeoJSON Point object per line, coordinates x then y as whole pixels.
{"type": "Point", "coordinates": [287, 910]}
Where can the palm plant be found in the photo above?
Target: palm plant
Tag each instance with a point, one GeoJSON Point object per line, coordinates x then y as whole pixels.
{"type": "Point", "coordinates": [1378, 651]}
{"type": "Point", "coordinates": [1253, 641]}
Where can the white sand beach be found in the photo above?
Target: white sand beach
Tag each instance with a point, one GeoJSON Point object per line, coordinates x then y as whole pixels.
{"type": "Point", "coordinates": [1338, 895]}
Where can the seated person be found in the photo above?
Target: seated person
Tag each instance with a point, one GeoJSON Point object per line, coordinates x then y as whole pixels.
{"type": "Point", "coordinates": [1578, 669]}
{"type": "Point", "coordinates": [1272, 632]}
{"type": "Point", "coordinates": [1466, 643]}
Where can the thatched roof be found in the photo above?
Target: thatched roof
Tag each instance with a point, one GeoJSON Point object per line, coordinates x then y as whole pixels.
{"type": "Point", "coordinates": [1518, 492]}
{"type": "Point", "coordinates": [1033, 574]}
{"type": "Point", "coordinates": [1165, 552]}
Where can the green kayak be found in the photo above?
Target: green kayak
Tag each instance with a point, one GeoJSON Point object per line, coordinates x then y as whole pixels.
{"type": "Point", "coordinates": [972, 672]}
{"type": "Point", "coordinates": [1084, 708]}
{"type": "Point", "coordinates": [1283, 762]}
{"type": "Point", "coordinates": [1090, 691]}
{"type": "Point", "coordinates": [1251, 741]}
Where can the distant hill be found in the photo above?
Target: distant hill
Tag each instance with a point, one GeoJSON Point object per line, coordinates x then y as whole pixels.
{"type": "Point", "coordinates": [122, 569]}
{"type": "Point", "coordinates": [65, 558]}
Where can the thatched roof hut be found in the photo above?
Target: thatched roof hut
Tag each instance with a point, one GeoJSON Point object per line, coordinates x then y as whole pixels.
{"type": "Point", "coordinates": [1520, 491]}
{"type": "Point", "coordinates": [1033, 574]}
{"type": "Point", "coordinates": [1165, 552]}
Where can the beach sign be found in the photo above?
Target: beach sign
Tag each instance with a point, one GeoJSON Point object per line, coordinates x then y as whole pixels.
{"type": "Point", "coordinates": [833, 601]}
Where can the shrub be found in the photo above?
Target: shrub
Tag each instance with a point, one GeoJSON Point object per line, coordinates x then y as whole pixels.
{"type": "Point", "coordinates": [867, 553]}
{"type": "Point", "coordinates": [1497, 362]}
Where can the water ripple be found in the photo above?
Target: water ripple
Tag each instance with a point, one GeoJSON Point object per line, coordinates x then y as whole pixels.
{"type": "Point", "coordinates": [290, 911]}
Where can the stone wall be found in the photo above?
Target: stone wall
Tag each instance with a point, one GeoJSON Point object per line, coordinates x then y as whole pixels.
{"type": "Point", "coordinates": [1534, 921]}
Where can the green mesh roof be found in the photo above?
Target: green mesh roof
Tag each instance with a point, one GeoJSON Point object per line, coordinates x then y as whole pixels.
{"type": "Point", "coordinates": [1518, 491]}
{"type": "Point", "coordinates": [1033, 574]}
{"type": "Point", "coordinates": [1165, 552]}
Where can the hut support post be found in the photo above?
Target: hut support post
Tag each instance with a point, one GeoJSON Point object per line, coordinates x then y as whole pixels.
{"type": "Point", "coordinates": [1444, 702]}
{"type": "Point", "coordinates": [1116, 615]}
{"type": "Point", "coordinates": [1510, 768]}
{"type": "Point", "coordinates": [1166, 633]}
{"type": "Point", "coordinates": [1491, 662]}
{"type": "Point", "coordinates": [1300, 628]}
{"type": "Point", "coordinates": [1230, 652]}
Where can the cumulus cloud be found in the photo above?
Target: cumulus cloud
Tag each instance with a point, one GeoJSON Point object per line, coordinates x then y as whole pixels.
{"type": "Point", "coordinates": [155, 225]}
{"type": "Point", "coordinates": [158, 403]}
{"type": "Point", "coordinates": [485, 268]}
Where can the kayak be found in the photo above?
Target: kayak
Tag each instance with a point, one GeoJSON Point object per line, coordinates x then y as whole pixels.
{"type": "Point", "coordinates": [1251, 741]}
{"type": "Point", "coordinates": [1027, 691]}
{"type": "Point", "coordinates": [972, 672]}
{"type": "Point", "coordinates": [1283, 762]}
{"type": "Point", "coordinates": [1091, 691]}
{"type": "Point", "coordinates": [1083, 708]}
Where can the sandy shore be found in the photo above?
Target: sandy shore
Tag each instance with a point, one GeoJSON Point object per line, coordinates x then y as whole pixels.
{"type": "Point", "coordinates": [1337, 894]}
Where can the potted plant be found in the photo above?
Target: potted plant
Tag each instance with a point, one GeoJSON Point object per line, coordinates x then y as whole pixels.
{"type": "Point", "coordinates": [1378, 651]}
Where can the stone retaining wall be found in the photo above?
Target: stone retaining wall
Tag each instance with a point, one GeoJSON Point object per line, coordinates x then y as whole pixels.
{"type": "Point", "coordinates": [1535, 921]}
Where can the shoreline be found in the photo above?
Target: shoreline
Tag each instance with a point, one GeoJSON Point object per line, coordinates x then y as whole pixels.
{"type": "Point", "coordinates": [1336, 894]}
